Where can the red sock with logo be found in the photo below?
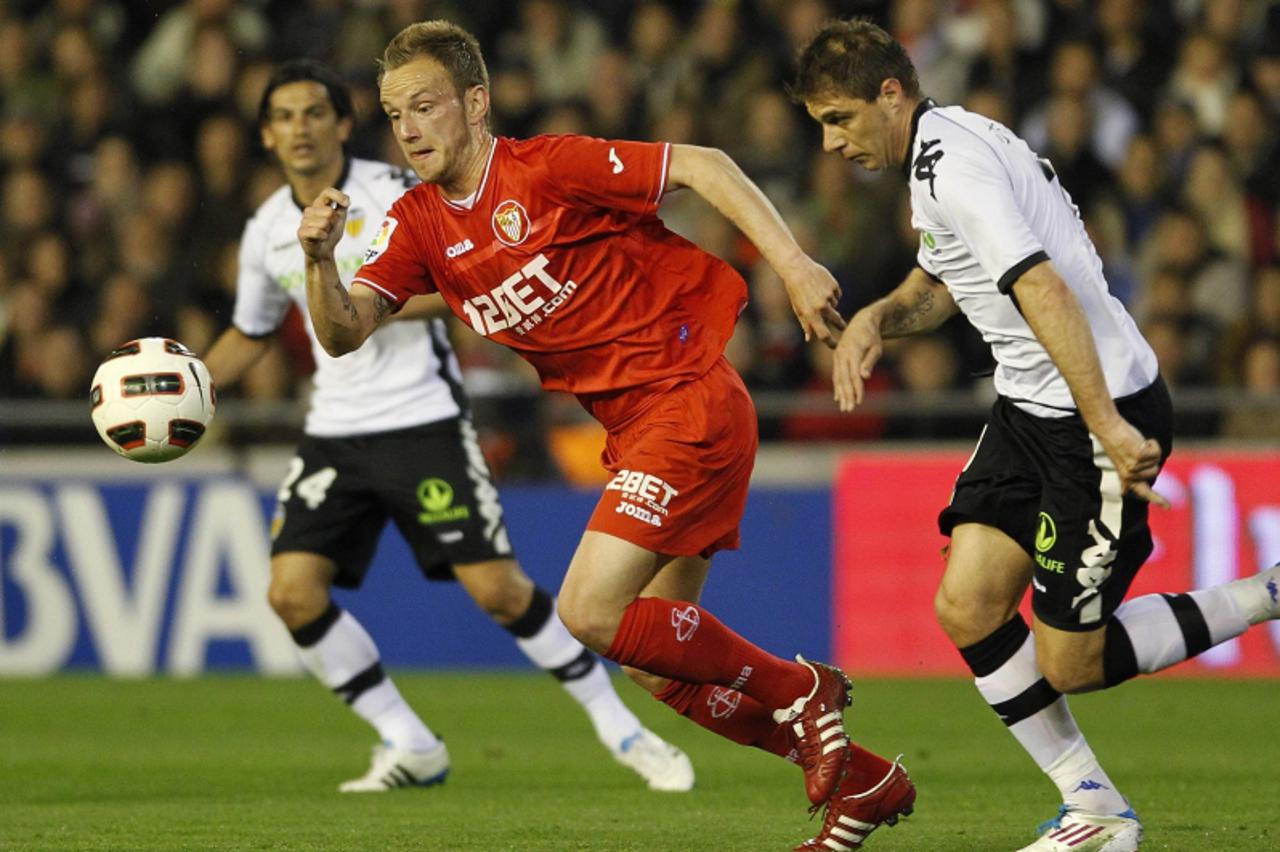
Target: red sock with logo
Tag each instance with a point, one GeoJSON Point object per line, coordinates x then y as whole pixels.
{"type": "Point", "coordinates": [730, 714]}
{"type": "Point", "coordinates": [684, 642]}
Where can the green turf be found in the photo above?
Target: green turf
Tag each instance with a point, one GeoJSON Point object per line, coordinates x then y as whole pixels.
{"type": "Point", "coordinates": [246, 763]}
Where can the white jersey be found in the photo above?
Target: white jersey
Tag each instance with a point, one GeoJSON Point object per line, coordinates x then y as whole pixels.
{"type": "Point", "coordinates": [405, 374]}
{"type": "Point", "coordinates": [988, 209]}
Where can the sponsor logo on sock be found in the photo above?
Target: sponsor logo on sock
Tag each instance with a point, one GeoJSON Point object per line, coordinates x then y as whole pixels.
{"type": "Point", "coordinates": [723, 702]}
{"type": "Point", "coordinates": [685, 621]}
{"type": "Point", "coordinates": [1090, 784]}
{"type": "Point", "coordinates": [1273, 591]}
{"type": "Point", "coordinates": [741, 680]}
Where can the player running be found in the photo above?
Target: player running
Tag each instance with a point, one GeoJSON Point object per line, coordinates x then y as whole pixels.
{"type": "Point", "coordinates": [389, 427]}
{"type": "Point", "coordinates": [1056, 493]}
{"type": "Point", "coordinates": [552, 246]}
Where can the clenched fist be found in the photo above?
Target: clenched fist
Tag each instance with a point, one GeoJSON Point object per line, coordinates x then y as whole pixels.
{"type": "Point", "coordinates": [322, 224]}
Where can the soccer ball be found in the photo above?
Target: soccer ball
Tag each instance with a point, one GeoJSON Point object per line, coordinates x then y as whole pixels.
{"type": "Point", "coordinates": [152, 399]}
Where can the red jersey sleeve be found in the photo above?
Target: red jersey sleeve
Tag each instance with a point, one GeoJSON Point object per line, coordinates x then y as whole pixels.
{"type": "Point", "coordinates": [618, 175]}
{"type": "Point", "coordinates": [393, 263]}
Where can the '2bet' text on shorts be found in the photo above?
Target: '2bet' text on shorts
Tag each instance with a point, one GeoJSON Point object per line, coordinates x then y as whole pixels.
{"type": "Point", "coordinates": [681, 469]}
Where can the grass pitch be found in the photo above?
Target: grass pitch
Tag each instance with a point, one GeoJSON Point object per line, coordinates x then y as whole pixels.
{"type": "Point", "coordinates": [226, 763]}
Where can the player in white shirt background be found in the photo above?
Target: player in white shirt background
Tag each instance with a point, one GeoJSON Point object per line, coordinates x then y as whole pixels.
{"type": "Point", "coordinates": [1056, 493]}
{"type": "Point", "coordinates": [388, 436]}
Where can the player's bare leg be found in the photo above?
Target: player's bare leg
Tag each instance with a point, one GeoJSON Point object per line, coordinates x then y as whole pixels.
{"type": "Point", "coordinates": [502, 589]}
{"type": "Point", "coordinates": [336, 649]}
{"type": "Point", "coordinates": [605, 600]}
{"type": "Point", "coordinates": [977, 601]}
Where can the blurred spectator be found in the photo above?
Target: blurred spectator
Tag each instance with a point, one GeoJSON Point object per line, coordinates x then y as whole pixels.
{"type": "Point", "coordinates": [833, 425]}
{"type": "Point", "coordinates": [1068, 127]}
{"type": "Point", "coordinates": [1260, 320]}
{"type": "Point", "coordinates": [1004, 67]}
{"type": "Point", "coordinates": [1132, 56]}
{"type": "Point", "coordinates": [1214, 192]}
{"type": "Point", "coordinates": [1111, 120]}
{"type": "Point", "coordinates": [1140, 181]}
{"type": "Point", "coordinates": [1217, 283]}
{"type": "Point", "coordinates": [167, 59]}
{"type": "Point", "coordinates": [559, 42]}
{"type": "Point", "coordinates": [939, 65]}
{"type": "Point", "coordinates": [1258, 417]}
{"type": "Point", "coordinates": [1167, 308]}
{"type": "Point", "coordinates": [1204, 79]}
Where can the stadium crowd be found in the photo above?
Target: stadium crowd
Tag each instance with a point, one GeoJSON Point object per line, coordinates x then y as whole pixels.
{"type": "Point", "coordinates": [129, 161]}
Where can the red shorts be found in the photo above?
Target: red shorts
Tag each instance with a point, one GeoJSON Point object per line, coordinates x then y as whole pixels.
{"type": "Point", "coordinates": [682, 468]}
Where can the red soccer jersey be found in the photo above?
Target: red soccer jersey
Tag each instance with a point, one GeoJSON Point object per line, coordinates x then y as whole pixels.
{"type": "Point", "coordinates": [562, 257]}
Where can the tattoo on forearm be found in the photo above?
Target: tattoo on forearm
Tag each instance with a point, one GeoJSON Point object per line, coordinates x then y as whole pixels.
{"type": "Point", "coordinates": [904, 319]}
{"type": "Point", "coordinates": [381, 308]}
{"type": "Point", "coordinates": [345, 298]}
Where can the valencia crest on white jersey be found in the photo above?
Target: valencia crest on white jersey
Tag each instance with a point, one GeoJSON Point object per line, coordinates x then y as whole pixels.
{"type": "Point", "coordinates": [405, 374]}
{"type": "Point", "coordinates": [988, 209]}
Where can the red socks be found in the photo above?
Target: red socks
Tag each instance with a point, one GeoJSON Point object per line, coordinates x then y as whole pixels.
{"type": "Point", "coordinates": [746, 721]}
{"type": "Point", "coordinates": [730, 714]}
{"type": "Point", "coordinates": [684, 642]}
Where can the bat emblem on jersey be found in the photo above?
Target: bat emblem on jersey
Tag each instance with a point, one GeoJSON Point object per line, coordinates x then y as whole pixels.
{"type": "Point", "coordinates": [616, 160]}
{"type": "Point", "coordinates": [510, 223]}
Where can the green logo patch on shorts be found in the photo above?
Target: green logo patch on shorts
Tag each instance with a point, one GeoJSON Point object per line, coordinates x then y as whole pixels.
{"type": "Point", "coordinates": [436, 498]}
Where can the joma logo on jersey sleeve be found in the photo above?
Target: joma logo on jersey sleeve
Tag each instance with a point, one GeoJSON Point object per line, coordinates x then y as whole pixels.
{"type": "Point", "coordinates": [520, 302]}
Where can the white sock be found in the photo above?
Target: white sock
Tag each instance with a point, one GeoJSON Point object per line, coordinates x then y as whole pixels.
{"type": "Point", "coordinates": [338, 651]}
{"type": "Point", "coordinates": [1040, 720]}
{"type": "Point", "coordinates": [1167, 629]}
{"type": "Point", "coordinates": [544, 639]}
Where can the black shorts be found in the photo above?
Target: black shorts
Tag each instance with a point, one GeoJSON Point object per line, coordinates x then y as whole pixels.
{"type": "Point", "coordinates": [1044, 483]}
{"type": "Point", "coordinates": [431, 480]}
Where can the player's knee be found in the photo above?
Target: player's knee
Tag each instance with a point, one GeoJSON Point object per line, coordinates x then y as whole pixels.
{"type": "Point", "coordinates": [589, 625]}
{"type": "Point", "coordinates": [967, 620]}
{"type": "Point", "coordinates": [296, 603]}
{"type": "Point", "coordinates": [1068, 675]}
{"type": "Point", "coordinates": [650, 683]}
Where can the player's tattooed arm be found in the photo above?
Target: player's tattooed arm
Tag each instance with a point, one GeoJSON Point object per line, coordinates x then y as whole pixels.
{"type": "Point", "coordinates": [342, 319]}
{"type": "Point", "coordinates": [921, 303]}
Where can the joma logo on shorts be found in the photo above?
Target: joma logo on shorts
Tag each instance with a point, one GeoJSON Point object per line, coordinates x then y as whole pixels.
{"type": "Point", "coordinates": [639, 514]}
{"type": "Point", "coordinates": [643, 487]}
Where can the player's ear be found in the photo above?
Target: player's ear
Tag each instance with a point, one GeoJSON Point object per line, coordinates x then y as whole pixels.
{"type": "Point", "coordinates": [476, 103]}
{"type": "Point", "coordinates": [268, 138]}
{"type": "Point", "coordinates": [345, 127]}
{"type": "Point", "coordinates": [890, 92]}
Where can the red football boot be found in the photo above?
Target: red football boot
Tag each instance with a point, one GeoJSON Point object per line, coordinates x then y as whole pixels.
{"type": "Point", "coordinates": [851, 816]}
{"type": "Point", "coordinates": [817, 721]}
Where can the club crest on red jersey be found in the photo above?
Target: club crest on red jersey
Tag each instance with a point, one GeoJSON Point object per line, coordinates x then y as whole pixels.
{"type": "Point", "coordinates": [510, 223]}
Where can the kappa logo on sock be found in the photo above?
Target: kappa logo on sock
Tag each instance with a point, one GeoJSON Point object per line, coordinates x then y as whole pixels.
{"type": "Point", "coordinates": [1273, 591]}
{"type": "Point", "coordinates": [1089, 784]}
{"type": "Point", "coordinates": [723, 702]}
{"type": "Point", "coordinates": [685, 621]}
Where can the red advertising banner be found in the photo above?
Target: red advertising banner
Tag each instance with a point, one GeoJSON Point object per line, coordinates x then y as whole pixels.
{"type": "Point", "coordinates": [1224, 523]}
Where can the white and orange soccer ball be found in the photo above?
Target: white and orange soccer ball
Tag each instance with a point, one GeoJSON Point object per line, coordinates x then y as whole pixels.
{"type": "Point", "coordinates": [152, 399]}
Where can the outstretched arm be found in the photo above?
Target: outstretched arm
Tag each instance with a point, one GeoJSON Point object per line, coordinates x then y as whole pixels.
{"type": "Point", "coordinates": [232, 354]}
{"type": "Point", "coordinates": [1059, 323]}
{"type": "Point", "coordinates": [342, 319]}
{"type": "Point", "coordinates": [813, 291]}
{"type": "Point", "coordinates": [919, 304]}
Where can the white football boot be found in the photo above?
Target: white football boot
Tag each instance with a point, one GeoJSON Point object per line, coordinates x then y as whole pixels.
{"type": "Point", "coordinates": [400, 767]}
{"type": "Point", "coordinates": [1072, 831]}
{"type": "Point", "coordinates": [663, 766]}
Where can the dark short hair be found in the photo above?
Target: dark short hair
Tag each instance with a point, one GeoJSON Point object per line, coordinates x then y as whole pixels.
{"type": "Point", "coordinates": [852, 58]}
{"type": "Point", "coordinates": [300, 70]}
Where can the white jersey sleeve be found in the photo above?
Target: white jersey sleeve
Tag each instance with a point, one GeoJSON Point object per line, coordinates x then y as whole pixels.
{"type": "Point", "coordinates": [973, 197]}
{"type": "Point", "coordinates": [261, 303]}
